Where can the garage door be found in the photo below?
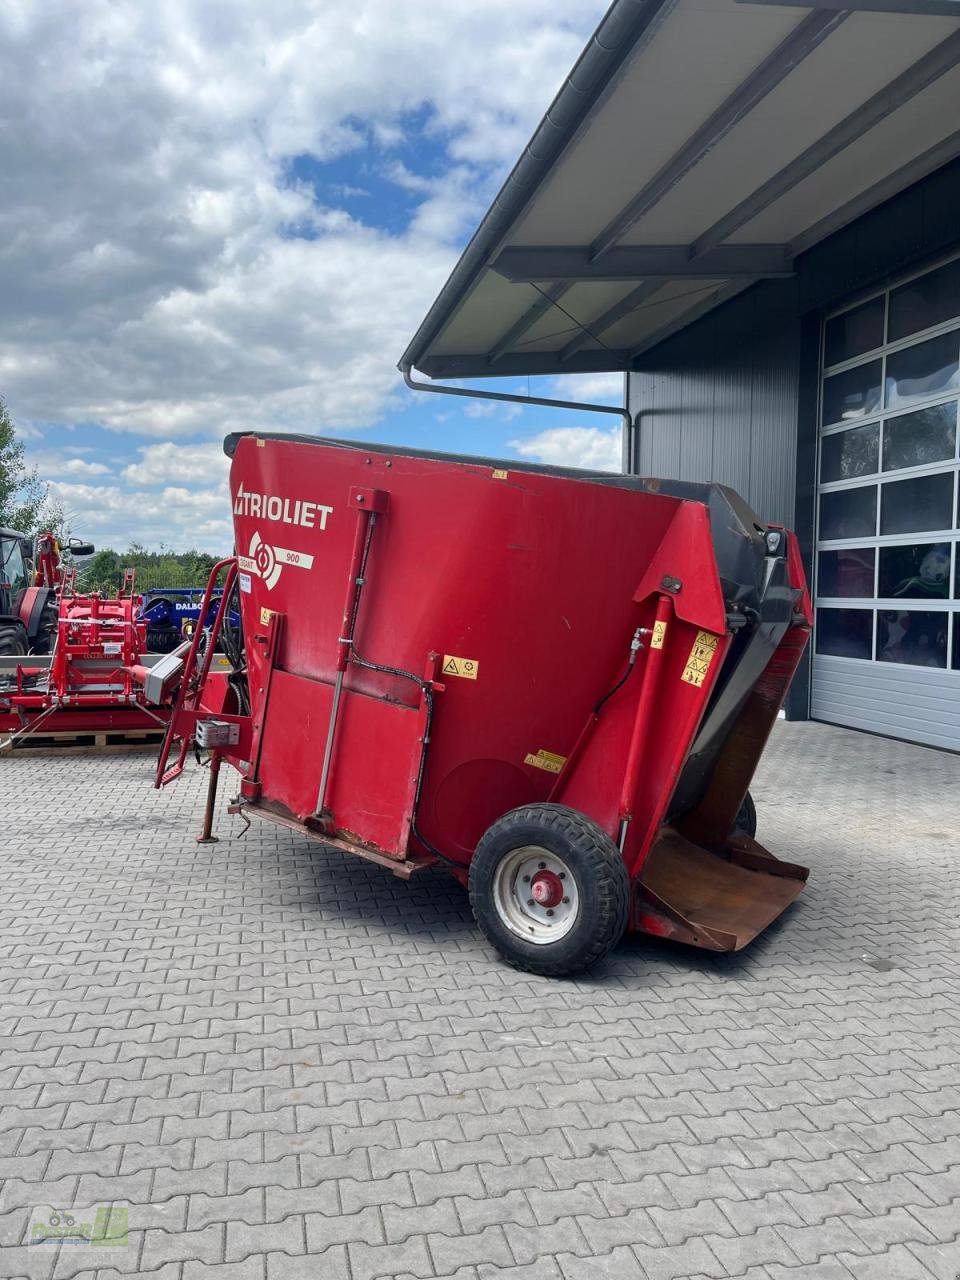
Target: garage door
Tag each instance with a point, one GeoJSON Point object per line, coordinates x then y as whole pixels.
{"type": "Point", "coordinates": [887, 587]}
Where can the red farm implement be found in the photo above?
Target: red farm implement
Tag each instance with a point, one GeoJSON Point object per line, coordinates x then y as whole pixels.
{"type": "Point", "coordinates": [84, 672]}
{"type": "Point", "coordinates": [557, 685]}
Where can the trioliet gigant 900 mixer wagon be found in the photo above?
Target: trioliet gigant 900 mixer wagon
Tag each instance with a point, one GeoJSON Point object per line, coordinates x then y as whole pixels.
{"type": "Point", "coordinates": [556, 684]}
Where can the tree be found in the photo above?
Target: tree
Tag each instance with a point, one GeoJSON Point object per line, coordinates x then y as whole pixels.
{"type": "Point", "coordinates": [161, 568]}
{"type": "Point", "coordinates": [23, 494]}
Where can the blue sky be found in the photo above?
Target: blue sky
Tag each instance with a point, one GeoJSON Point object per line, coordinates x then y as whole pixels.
{"type": "Point", "coordinates": [233, 216]}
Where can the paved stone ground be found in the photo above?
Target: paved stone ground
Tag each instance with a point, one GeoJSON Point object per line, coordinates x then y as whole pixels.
{"type": "Point", "coordinates": [288, 1064]}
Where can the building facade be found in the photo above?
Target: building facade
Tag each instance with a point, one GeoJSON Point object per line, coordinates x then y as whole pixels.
{"type": "Point", "coordinates": [829, 400]}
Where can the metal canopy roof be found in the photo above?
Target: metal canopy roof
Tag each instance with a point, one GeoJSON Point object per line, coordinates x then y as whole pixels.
{"type": "Point", "coordinates": [696, 147]}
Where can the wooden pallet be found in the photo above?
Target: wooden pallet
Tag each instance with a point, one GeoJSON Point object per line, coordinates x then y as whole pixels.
{"type": "Point", "coordinates": [109, 742]}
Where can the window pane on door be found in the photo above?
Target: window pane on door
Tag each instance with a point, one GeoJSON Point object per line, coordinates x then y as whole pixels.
{"type": "Point", "coordinates": [849, 454]}
{"type": "Point", "coordinates": [845, 633]}
{"type": "Point", "coordinates": [911, 506]}
{"type": "Point", "coordinates": [846, 573]}
{"type": "Point", "coordinates": [849, 513]}
{"type": "Point", "coordinates": [915, 572]}
{"type": "Point", "coordinates": [852, 394]}
{"type": "Point", "coordinates": [927, 369]}
{"type": "Point", "coordinates": [928, 300]}
{"type": "Point", "coordinates": [854, 332]}
{"type": "Point", "coordinates": [914, 637]}
{"type": "Point", "coordinates": [915, 439]}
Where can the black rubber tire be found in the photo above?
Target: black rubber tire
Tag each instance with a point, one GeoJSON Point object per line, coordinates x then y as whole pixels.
{"type": "Point", "coordinates": [162, 639]}
{"type": "Point", "coordinates": [13, 639]}
{"type": "Point", "coordinates": [46, 638]}
{"type": "Point", "coordinates": [602, 885]}
{"type": "Point", "coordinates": [746, 819]}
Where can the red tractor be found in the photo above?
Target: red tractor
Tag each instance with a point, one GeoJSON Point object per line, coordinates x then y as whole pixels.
{"type": "Point", "coordinates": [29, 587]}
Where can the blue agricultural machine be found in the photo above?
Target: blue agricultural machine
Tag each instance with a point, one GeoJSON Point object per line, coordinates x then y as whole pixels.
{"type": "Point", "coordinates": [172, 614]}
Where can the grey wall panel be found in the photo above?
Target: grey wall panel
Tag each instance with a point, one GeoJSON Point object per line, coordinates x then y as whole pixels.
{"type": "Point", "coordinates": [720, 402]}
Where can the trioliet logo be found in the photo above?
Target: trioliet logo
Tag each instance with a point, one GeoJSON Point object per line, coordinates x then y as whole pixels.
{"type": "Point", "coordinates": [267, 506]}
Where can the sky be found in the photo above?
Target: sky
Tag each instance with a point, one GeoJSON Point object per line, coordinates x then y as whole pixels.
{"type": "Point", "coordinates": [222, 215]}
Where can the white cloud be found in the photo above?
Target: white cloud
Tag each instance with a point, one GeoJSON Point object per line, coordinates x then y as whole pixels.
{"type": "Point", "coordinates": [176, 516]}
{"type": "Point", "coordinates": [595, 388]}
{"type": "Point", "coordinates": [503, 412]}
{"type": "Point", "coordinates": [52, 464]}
{"type": "Point", "coordinates": [182, 463]}
{"type": "Point", "coordinates": [146, 282]}
{"type": "Point", "coordinates": [596, 448]}
{"type": "Point", "coordinates": [86, 470]}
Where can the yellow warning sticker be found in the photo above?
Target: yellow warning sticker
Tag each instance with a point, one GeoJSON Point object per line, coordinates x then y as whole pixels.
{"type": "Point", "coordinates": [265, 616]}
{"type": "Point", "coordinates": [659, 632]}
{"type": "Point", "coordinates": [500, 475]}
{"type": "Point", "coordinates": [701, 655]}
{"type": "Point", "coordinates": [465, 668]}
{"type": "Point", "coordinates": [548, 760]}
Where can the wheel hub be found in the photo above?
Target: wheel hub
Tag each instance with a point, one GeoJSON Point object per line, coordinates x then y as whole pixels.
{"type": "Point", "coordinates": [546, 888]}
{"type": "Point", "coordinates": [536, 894]}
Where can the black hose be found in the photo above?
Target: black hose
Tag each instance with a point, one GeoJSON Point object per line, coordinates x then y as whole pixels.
{"type": "Point", "coordinates": [619, 685]}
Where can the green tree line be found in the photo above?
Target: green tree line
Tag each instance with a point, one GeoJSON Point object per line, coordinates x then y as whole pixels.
{"type": "Point", "coordinates": [153, 569]}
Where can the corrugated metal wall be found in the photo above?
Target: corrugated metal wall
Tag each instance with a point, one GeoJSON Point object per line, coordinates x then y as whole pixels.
{"type": "Point", "coordinates": [718, 404]}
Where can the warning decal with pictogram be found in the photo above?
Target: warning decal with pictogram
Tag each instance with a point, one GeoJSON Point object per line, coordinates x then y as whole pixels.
{"type": "Point", "coordinates": [465, 668]}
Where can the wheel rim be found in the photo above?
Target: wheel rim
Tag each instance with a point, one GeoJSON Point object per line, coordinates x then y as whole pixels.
{"type": "Point", "coordinates": [535, 894]}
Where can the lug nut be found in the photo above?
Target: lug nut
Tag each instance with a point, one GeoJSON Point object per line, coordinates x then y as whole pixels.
{"type": "Point", "coordinates": [542, 866]}
{"type": "Point", "coordinates": [565, 900]}
{"type": "Point", "coordinates": [531, 903]}
{"type": "Point", "coordinates": [563, 875]}
{"type": "Point", "coordinates": [526, 879]}
{"type": "Point", "coordinates": [549, 911]}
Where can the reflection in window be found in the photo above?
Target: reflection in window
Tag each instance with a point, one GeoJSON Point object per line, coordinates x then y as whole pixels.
{"type": "Point", "coordinates": [846, 573]}
{"type": "Point", "coordinates": [956, 642]}
{"type": "Point", "coordinates": [912, 506]}
{"type": "Point", "coordinates": [852, 394]}
{"type": "Point", "coordinates": [915, 572]}
{"type": "Point", "coordinates": [845, 633]}
{"type": "Point", "coordinates": [849, 513]}
{"type": "Point", "coordinates": [928, 300]}
{"type": "Point", "coordinates": [924, 370]}
{"type": "Point", "coordinates": [849, 454]}
{"type": "Point", "coordinates": [854, 332]}
{"type": "Point", "coordinates": [917, 638]}
{"type": "Point", "coordinates": [914, 439]}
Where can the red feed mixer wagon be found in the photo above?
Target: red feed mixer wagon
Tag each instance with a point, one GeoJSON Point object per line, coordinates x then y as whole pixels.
{"type": "Point", "coordinates": [555, 684]}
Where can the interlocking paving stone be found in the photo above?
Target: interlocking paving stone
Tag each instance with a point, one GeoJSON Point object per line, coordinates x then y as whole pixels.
{"type": "Point", "coordinates": [287, 1064]}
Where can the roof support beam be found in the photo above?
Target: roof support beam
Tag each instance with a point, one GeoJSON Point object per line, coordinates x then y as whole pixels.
{"type": "Point", "coordinates": [811, 32]}
{"type": "Point", "coordinates": [918, 8]}
{"type": "Point", "coordinates": [644, 262]}
{"type": "Point", "coordinates": [899, 91]}
{"type": "Point", "coordinates": [634, 299]}
{"type": "Point", "coordinates": [533, 313]}
{"type": "Point", "coordinates": [913, 171]}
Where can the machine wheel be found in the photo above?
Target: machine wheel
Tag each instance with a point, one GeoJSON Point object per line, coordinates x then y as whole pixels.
{"type": "Point", "coordinates": [13, 639]}
{"type": "Point", "coordinates": [746, 819]}
{"type": "Point", "coordinates": [549, 889]}
{"type": "Point", "coordinates": [162, 639]}
{"type": "Point", "coordinates": [47, 631]}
